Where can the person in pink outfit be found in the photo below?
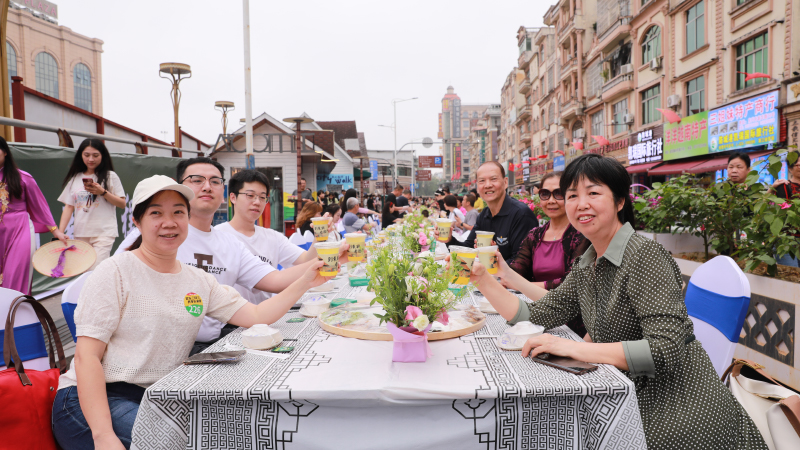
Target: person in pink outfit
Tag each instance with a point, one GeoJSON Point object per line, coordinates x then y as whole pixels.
{"type": "Point", "coordinates": [20, 200]}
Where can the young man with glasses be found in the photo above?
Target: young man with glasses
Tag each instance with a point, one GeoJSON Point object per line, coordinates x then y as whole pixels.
{"type": "Point", "coordinates": [217, 252]}
{"type": "Point", "coordinates": [248, 191]}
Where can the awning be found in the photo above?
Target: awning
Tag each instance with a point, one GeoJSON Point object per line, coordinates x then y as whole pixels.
{"type": "Point", "coordinates": [722, 162]}
{"type": "Point", "coordinates": [675, 168]}
{"type": "Point", "coordinates": [711, 165]}
{"type": "Point", "coordinates": [641, 168]}
{"type": "Point", "coordinates": [357, 173]}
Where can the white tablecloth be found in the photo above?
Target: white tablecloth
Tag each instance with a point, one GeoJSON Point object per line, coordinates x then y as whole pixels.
{"type": "Point", "coordinates": [335, 393]}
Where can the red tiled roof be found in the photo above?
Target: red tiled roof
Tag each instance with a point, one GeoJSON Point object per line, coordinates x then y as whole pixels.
{"type": "Point", "coordinates": [345, 129]}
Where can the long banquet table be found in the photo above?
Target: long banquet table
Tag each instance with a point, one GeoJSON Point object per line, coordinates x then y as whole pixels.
{"type": "Point", "coordinates": [333, 392]}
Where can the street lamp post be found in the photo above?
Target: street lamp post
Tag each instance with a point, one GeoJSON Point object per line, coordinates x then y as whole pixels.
{"type": "Point", "coordinates": [394, 128]}
{"type": "Point", "coordinates": [175, 72]}
{"type": "Point", "coordinates": [224, 107]}
{"type": "Point", "coordinates": [298, 121]}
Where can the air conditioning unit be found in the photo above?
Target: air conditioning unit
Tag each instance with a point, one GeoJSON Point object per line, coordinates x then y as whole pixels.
{"type": "Point", "coordinates": [579, 110]}
{"type": "Point", "coordinates": [673, 101]}
{"type": "Point", "coordinates": [627, 119]}
{"type": "Point", "coordinates": [580, 134]}
{"type": "Point", "coordinates": [655, 63]}
{"type": "Point", "coordinates": [626, 68]}
{"type": "Point", "coordinates": [566, 141]}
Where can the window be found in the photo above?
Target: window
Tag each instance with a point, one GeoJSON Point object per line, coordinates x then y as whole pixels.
{"type": "Point", "coordinates": [752, 56]}
{"type": "Point", "coordinates": [12, 67]}
{"type": "Point", "coordinates": [550, 83]}
{"type": "Point", "coordinates": [651, 99]}
{"type": "Point", "coordinates": [651, 48]}
{"type": "Point", "coordinates": [550, 144]}
{"type": "Point", "coordinates": [695, 27]}
{"type": "Point", "coordinates": [551, 112]}
{"type": "Point", "coordinates": [46, 75]}
{"type": "Point", "coordinates": [597, 124]}
{"type": "Point", "coordinates": [561, 141]}
{"type": "Point", "coordinates": [576, 128]}
{"type": "Point", "coordinates": [695, 95]}
{"type": "Point", "coordinates": [593, 78]}
{"type": "Point", "coordinates": [83, 87]}
{"type": "Point", "coordinates": [619, 110]}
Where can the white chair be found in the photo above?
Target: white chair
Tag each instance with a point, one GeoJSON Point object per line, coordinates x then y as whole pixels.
{"type": "Point", "coordinates": [308, 236]}
{"type": "Point", "coordinates": [297, 239]}
{"type": "Point", "coordinates": [28, 333]}
{"type": "Point", "coordinates": [69, 301]}
{"type": "Point", "coordinates": [717, 299]}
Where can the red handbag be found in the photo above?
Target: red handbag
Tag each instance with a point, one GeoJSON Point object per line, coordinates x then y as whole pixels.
{"type": "Point", "coordinates": [27, 396]}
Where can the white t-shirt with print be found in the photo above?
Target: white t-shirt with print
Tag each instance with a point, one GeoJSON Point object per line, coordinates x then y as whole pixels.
{"type": "Point", "coordinates": [221, 255]}
{"type": "Point", "coordinates": [94, 215]}
{"type": "Point", "coordinates": [271, 247]}
{"type": "Point", "coordinates": [147, 319]}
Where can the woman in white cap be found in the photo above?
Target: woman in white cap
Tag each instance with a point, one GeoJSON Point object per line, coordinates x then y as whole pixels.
{"type": "Point", "coordinates": [137, 318]}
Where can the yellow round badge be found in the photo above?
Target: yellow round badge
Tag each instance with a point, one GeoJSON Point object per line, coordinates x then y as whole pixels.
{"type": "Point", "coordinates": [193, 304]}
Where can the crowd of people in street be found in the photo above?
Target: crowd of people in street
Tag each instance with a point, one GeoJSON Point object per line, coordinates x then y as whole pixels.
{"type": "Point", "coordinates": [585, 267]}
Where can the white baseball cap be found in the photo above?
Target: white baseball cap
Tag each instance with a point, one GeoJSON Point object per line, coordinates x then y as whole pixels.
{"type": "Point", "coordinates": [155, 184]}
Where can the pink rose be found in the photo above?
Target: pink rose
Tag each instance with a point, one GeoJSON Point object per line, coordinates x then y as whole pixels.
{"type": "Point", "coordinates": [412, 312]}
{"type": "Point", "coordinates": [702, 228]}
{"type": "Point", "coordinates": [442, 317]}
{"type": "Point", "coordinates": [786, 205]}
{"type": "Point", "coordinates": [539, 216]}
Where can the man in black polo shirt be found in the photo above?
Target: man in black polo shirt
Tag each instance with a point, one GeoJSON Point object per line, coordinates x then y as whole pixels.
{"type": "Point", "coordinates": [402, 202]}
{"type": "Point", "coordinates": [509, 219]}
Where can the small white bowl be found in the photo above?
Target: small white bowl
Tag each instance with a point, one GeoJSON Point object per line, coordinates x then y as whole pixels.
{"type": "Point", "coordinates": [261, 337]}
{"type": "Point", "coordinates": [514, 338]}
{"type": "Point", "coordinates": [315, 306]}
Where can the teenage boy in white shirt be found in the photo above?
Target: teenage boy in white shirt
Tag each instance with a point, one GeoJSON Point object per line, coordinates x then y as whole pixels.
{"type": "Point", "coordinates": [217, 252]}
{"type": "Point", "coordinates": [249, 193]}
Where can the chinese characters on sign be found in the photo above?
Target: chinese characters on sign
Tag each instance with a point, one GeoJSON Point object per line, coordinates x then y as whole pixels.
{"type": "Point", "coordinates": [526, 165]}
{"type": "Point", "coordinates": [430, 162]}
{"type": "Point", "coordinates": [747, 123]}
{"type": "Point", "coordinates": [457, 157]}
{"type": "Point", "coordinates": [424, 175]}
{"type": "Point", "coordinates": [441, 130]}
{"type": "Point", "coordinates": [647, 148]}
{"type": "Point", "coordinates": [686, 138]}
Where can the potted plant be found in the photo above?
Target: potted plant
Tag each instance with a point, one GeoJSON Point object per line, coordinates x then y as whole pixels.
{"type": "Point", "coordinates": [413, 292]}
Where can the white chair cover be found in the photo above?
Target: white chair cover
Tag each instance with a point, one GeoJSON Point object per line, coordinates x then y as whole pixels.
{"type": "Point", "coordinates": [721, 276]}
{"type": "Point", "coordinates": [308, 236]}
{"type": "Point", "coordinates": [25, 316]}
{"type": "Point", "coordinates": [297, 238]}
{"type": "Point", "coordinates": [69, 301]}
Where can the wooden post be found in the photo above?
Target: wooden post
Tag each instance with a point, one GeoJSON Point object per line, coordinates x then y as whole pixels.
{"type": "Point", "coordinates": [18, 90]}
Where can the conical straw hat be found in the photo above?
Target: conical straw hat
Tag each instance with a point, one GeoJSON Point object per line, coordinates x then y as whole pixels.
{"type": "Point", "coordinates": [76, 261]}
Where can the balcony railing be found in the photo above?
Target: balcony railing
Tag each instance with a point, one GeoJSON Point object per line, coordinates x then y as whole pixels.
{"type": "Point", "coordinates": [617, 80]}
{"type": "Point", "coordinates": [623, 18]}
{"type": "Point", "coordinates": [568, 104]}
{"type": "Point", "coordinates": [525, 137]}
{"type": "Point", "coordinates": [525, 59]}
{"type": "Point", "coordinates": [525, 87]}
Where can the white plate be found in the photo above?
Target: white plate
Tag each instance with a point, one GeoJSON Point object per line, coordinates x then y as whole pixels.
{"type": "Point", "coordinates": [486, 307]}
{"type": "Point", "coordinates": [325, 287]}
{"type": "Point", "coordinates": [503, 343]}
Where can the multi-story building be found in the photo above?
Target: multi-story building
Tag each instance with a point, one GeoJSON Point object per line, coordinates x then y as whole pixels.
{"type": "Point", "coordinates": [53, 59]}
{"type": "Point", "coordinates": [509, 141]}
{"type": "Point", "coordinates": [454, 125]}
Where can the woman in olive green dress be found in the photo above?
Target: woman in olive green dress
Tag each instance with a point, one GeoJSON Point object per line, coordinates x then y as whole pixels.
{"type": "Point", "coordinates": [628, 289]}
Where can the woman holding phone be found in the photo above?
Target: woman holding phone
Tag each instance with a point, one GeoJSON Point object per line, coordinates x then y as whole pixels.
{"type": "Point", "coordinates": [92, 192]}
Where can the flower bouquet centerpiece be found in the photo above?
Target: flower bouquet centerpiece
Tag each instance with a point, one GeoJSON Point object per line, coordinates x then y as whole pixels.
{"type": "Point", "coordinates": [413, 292]}
{"type": "Point", "coordinates": [415, 236]}
{"type": "Point", "coordinates": [534, 203]}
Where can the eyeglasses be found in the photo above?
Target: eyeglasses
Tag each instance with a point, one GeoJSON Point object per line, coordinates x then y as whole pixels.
{"type": "Point", "coordinates": [252, 197]}
{"type": "Point", "coordinates": [544, 194]}
{"type": "Point", "coordinates": [199, 180]}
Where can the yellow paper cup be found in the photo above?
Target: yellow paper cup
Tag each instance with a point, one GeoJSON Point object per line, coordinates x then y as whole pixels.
{"type": "Point", "coordinates": [320, 226]}
{"type": "Point", "coordinates": [357, 243]}
{"type": "Point", "coordinates": [487, 257]}
{"type": "Point", "coordinates": [464, 257]}
{"type": "Point", "coordinates": [445, 227]}
{"type": "Point", "coordinates": [328, 252]}
{"type": "Point", "coordinates": [484, 238]}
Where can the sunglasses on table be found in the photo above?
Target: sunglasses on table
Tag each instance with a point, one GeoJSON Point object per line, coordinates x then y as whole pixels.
{"type": "Point", "coordinates": [545, 194]}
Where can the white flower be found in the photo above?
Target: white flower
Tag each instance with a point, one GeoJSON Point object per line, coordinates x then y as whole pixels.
{"type": "Point", "coordinates": [421, 322]}
{"type": "Point", "coordinates": [415, 285]}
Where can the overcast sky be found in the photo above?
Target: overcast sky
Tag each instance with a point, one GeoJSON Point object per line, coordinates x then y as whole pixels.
{"type": "Point", "coordinates": [335, 60]}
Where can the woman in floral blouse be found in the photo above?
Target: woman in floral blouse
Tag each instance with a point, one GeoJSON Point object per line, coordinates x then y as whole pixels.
{"type": "Point", "coordinates": [628, 289]}
{"type": "Point", "coordinates": [547, 253]}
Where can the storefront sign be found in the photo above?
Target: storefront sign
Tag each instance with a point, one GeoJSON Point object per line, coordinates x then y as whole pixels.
{"type": "Point", "coordinates": [430, 162]}
{"type": "Point", "coordinates": [457, 158]}
{"type": "Point", "coordinates": [559, 164]}
{"type": "Point", "coordinates": [748, 123]}
{"type": "Point", "coordinates": [646, 148]}
{"type": "Point", "coordinates": [345, 181]}
{"type": "Point", "coordinates": [41, 6]}
{"type": "Point", "coordinates": [689, 137]}
{"type": "Point", "coordinates": [526, 165]}
{"type": "Point", "coordinates": [441, 131]}
{"type": "Point", "coordinates": [616, 145]}
{"type": "Point", "coordinates": [373, 170]}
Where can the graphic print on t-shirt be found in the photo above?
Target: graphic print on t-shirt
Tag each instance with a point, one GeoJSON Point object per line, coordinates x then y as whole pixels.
{"type": "Point", "coordinates": [200, 263]}
{"type": "Point", "coordinates": [193, 303]}
{"type": "Point", "coordinates": [84, 201]}
{"type": "Point", "coordinates": [501, 241]}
